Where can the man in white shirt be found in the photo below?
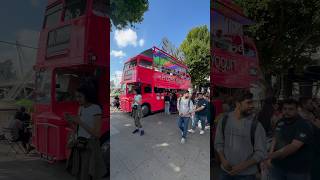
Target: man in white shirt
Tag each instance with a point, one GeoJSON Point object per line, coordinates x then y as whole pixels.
{"type": "Point", "coordinates": [185, 110]}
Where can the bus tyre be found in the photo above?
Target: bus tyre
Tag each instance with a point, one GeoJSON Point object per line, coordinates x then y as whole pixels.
{"type": "Point", "coordinates": [145, 110]}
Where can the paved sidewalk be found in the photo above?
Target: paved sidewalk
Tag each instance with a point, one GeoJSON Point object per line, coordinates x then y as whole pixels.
{"type": "Point", "coordinates": [158, 154]}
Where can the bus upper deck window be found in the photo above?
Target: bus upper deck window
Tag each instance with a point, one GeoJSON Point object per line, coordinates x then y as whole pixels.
{"type": "Point", "coordinates": [145, 63]}
{"type": "Point", "coordinates": [53, 15]}
{"type": "Point", "coordinates": [74, 9]}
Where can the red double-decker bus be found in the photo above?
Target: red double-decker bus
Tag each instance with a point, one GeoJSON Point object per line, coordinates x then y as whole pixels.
{"type": "Point", "coordinates": [73, 49]}
{"type": "Point", "coordinates": [235, 63]}
{"type": "Point", "coordinates": [152, 72]}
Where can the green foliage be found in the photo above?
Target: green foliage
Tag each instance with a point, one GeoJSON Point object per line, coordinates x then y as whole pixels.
{"type": "Point", "coordinates": [196, 48]}
{"type": "Point", "coordinates": [127, 12]}
{"type": "Point", "coordinates": [287, 32]}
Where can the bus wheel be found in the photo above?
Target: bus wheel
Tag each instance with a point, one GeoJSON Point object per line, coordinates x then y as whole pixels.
{"type": "Point", "coordinates": [145, 110]}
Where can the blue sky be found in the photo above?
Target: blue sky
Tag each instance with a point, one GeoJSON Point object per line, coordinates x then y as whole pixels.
{"type": "Point", "coordinates": [21, 20]}
{"type": "Point", "coordinates": [166, 18]}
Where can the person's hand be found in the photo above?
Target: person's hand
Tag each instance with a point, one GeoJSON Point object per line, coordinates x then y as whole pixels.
{"type": "Point", "coordinates": [237, 169]}
{"type": "Point", "coordinates": [266, 164]}
{"type": "Point", "coordinates": [226, 165]}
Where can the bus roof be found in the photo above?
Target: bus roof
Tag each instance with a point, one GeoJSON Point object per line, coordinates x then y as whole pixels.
{"type": "Point", "coordinates": [154, 51]}
{"type": "Point", "coordinates": [231, 10]}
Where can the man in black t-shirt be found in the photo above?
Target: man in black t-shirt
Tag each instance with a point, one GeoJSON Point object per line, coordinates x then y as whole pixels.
{"type": "Point", "coordinates": [291, 151]}
{"type": "Point", "coordinates": [201, 113]}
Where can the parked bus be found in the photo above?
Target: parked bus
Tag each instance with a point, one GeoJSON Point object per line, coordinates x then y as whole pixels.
{"type": "Point", "coordinates": [235, 62]}
{"type": "Point", "coordinates": [73, 49]}
{"type": "Point", "coordinates": [152, 72]}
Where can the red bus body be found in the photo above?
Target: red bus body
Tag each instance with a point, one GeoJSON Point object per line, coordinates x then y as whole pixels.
{"type": "Point", "coordinates": [150, 71]}
{"type": "Point", "coordinates": [235, 57]}
{"type": "Point", "coordinates": [73, 46]}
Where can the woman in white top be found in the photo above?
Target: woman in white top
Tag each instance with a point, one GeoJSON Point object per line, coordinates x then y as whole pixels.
{"type": "Point", "coordinates": [137, 112]}
{"type": "Point", "coordinates": [86, 160]}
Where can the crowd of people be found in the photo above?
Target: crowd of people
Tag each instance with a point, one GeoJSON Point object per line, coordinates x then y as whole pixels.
{"type": "Point", "coordinates": [282, 143]}
{"type": "Point", "coordinates": [193, 108]}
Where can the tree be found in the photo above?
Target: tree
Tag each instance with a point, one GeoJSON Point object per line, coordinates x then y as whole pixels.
{"type": "Point", "coordinates": [127, 12]}
{"type": "Point", "coordinates": [287, 33]}
{"type": "Point", "coordinates": [196, 48]}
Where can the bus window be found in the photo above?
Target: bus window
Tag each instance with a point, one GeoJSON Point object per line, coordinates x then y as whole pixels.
{"type": "Point", "coordinates": [100, 8]}
{"type": "Point", "coordinates": [66, 86]}
{"type": "Point", "coordinates": [145, 64]}
{"type": "Point", "coordinates": [132, 87]}
{"type": "Point", "coordinates": [43, 86]}
{"type": "Point", "coordinates": [130, 64]}
{"type": "Point", "coordinates": [52, 16]}
{"type": "Point", "coordinates": [158, 90]}
{"type": "Point", "coordinates": [148, 89]}
{"type": "Point", "coordinates": [58, 40]}
{"type": "Point", "coordinates": [74, 9]}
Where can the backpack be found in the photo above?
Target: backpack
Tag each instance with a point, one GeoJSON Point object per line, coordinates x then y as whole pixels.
{"type": "Point", "coordinates": [253, 128]}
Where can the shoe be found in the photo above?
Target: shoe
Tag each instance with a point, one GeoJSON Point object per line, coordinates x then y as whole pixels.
{"type": "Point", "coordinates": [142, 133]}
{"type": "Point", "coordinates": [183, 140]}
{"type": "Point", "coordinates": [135, 131]}
{"type": "Point", "coordinates": [202, 132]}
{"type": "Point", "coordinates": [191, 131]}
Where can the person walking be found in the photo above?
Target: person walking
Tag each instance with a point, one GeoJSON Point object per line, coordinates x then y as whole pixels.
{"type": "Point", "coordinates": [167, 104]}
{"type": "Point", "coordinates": [185, 110]}
{"type": "Point", "coordinates": [291, 153]}
{"type": "Point", "coordinates": [200, 114]}
{"type": "Point", "coordinates": [240, 141]}
{"type": "Point", "coordinates": [137, 112]}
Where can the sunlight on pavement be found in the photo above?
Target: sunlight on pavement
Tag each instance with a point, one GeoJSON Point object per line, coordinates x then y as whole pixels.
{"type": "Point", "coordinates": [175, 167]}
{"type": "Point", "coordinates": [128, 125]}
{"type": "Point", "coordinates": [161, 145]}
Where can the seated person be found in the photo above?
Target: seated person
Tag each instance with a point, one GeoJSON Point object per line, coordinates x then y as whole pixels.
{"type": "Point", "coordinates": [19, 129]}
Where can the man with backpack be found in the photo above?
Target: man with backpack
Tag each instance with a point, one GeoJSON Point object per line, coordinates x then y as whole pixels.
{"type": "Point", "coordinates": [185, 109]}
{"type": "Point", "coordinates": [240, 141]}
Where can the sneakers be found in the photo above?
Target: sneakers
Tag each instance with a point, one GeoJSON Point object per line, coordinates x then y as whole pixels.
{"type": "Point", "coordinates": [183, 140]}
{"type": "Point", "coordinates": [191, 131]}
{"type": "Point", "coordinates": [201, 132]}
{"type": "Point", "coordinates": [135, 131]}
{"type": "Point", "coordinates": [142, 133]}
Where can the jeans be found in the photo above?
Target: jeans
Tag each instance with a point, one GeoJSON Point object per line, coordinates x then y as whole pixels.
{"type": "Point", "coordinates": [183, 123]}
{"type": "Point", "coordinates": [200, 118]}
{"type": "Point", "coordinates": [167, 107]}
{"type": "Point", "coordinates": [279, 174]}
{"type": "Point", "coordinates": [226, 176]}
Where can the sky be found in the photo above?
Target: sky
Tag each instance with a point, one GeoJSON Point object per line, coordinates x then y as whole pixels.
{"type": "Point", "coordinates": [20, 20]}
{"type": "Point", "coordinates": [172, 19]}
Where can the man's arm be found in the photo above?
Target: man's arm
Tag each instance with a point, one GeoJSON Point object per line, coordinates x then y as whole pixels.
{"type": "Point", "coordinates": [302, 136]}
{"type": "Point", "coordinates": [287, 150]}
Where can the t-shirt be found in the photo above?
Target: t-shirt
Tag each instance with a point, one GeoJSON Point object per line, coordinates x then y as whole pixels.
{"type": "Point", "coordinates": [166, 98]}
{"type": "Point", "coordinates": [184, 106]}
{"type": "Point", "coordinates": [87, 115]}
{"type": "Point", "coordinates": [137, 98]}
{"type": "Point", "coordinates": [200, 103]}
{"type": "Point", "coordinates": [285, 133]}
